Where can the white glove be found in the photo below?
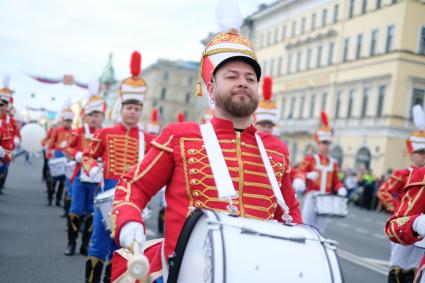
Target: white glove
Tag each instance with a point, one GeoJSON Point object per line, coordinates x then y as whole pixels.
{"type": "Point", "coordinates": [342, 192]}
{"type": "Point", "coordinates": [79, 157]}
{"type": "Point", "coordinates": [94, 171]}
{"type": "Point", "coordinates": [312, 175]}
{"type": "Point", "coordinates": [2, 152]}
{"type": "Point", "coordinates": [130, 232]}
{"type": "Point", "coordinates": [419, 225]}
{"type": "Point", "coordinates": [298, 185]}
{"type": "Point", "coordinates": [16, 141]}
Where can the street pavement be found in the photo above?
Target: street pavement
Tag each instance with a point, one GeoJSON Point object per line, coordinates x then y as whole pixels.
{"type": "Point", "coordinates": [33, 236]}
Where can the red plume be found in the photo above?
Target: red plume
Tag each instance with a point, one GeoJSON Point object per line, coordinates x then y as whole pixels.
{"type": "Point", "coordinates": [180, 117]}
{"type": "Point", "coordinates": [136, 64]}
{"type": "Point", "coordinates": [267, 88]}
{"type": "Point", "coordinates": [154, 115]}
{"type": "Point", "coordinates": [325, 120]}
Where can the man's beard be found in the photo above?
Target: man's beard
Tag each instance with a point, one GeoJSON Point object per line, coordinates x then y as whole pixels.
{"type": "Point", "coordinates": [243, 108]}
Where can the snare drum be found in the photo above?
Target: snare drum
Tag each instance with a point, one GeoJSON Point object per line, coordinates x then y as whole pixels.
{"type": "Point", "coordinates": [331, 205]}
{"type": "Point", "coordinates": [98, 178]}
{"type": "Point", "coordinates": [215, 247]}
{"type": "Point", "coordinates": [103, 202]}
{"type": "Point", "coordinates": [57, 166]}
{"type": "Point", "coordinates": [69, 168]}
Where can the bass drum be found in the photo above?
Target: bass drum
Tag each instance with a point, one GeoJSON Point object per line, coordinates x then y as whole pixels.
{"type": "Point", "coordinates": [217, 248]}
{"type": "Point", "coordinates": [32, 134]}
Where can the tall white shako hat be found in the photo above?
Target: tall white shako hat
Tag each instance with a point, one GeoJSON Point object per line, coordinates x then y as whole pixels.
{"type": "Point", "coordinates": [95, 103]}
{"type": "Point", "coordinates": [67, 113]}
{"type": "Point", "coordinates": [325, 132]}
{"type": "Point", "coordinates": [134, 88]}
{"type": "Point", "coordinates": [416, 140]}
{"type": "Point", "coordinates": [267, 109]}
{"type": "Point", "coordinates": [5, 91]}
{"type": "Point", "coordinates": [153, 125]}
{"type": "Point", "coordinates": [226, 46]}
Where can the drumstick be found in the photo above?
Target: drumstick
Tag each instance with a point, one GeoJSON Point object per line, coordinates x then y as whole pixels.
{"type": "Point", "coordinates": [138, 264]}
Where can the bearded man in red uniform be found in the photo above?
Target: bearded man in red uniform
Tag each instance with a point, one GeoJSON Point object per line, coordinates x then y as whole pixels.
{"type": "Point", "coordinates": [179, 160]}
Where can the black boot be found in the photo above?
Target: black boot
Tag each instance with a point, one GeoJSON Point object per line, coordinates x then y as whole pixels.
{"type": "Point", "coordinates": [86, 234]}
{"type": "Point", "coordinates": [408, 275]}
{"type": "Point", "coordinates": [73, 226]}
{"type": "Point", "coordinates": [395, 275]}
{"type": "Point", "coordinates": [59, 193]}
{"type": "Point", "coordinates": [66, 205]}
{"type": "Point", "coordinates": [50, 191]}
{"type": "Point", "coordinates": [94, 268]}
{"type": "Point", "coordinates": [107, 275]}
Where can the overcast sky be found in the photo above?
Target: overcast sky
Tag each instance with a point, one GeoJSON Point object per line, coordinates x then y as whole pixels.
{"type": "Point", "coordinates": [57, 37]}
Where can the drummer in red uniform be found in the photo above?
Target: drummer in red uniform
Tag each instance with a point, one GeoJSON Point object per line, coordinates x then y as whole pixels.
{"type": "Point", "coordinates": [319, 174]}
{"type": "Point", "coordinates": [6, 132]}
{"type": "Point", "coordinates": [120, 147]}
{"type": "Point", "coordinates": [179, 159]}
{"type": "Point", "coordinates": [404, 258]}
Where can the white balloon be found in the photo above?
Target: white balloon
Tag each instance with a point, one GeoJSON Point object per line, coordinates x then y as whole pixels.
{"type": "Point", "coordinates": [32, 134]}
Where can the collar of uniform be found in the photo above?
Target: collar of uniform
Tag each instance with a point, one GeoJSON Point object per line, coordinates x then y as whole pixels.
{"type": "Point", "coordinates": [122, 127]}
{"type": "Point", "coordinates": [322, 157]}
{"type": "Point", "coordinates": [227, 125]}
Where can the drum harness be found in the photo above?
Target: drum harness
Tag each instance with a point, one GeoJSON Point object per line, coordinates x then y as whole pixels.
{"type": "Point", "coordinates": [323, 171]}
{"type": "Point", "coordinates": [221, 173]}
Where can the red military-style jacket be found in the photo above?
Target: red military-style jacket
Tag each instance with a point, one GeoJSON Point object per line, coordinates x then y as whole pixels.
{"type": "Point", "coordinates": [6, 142]}
{"type": "Point", "coordinates": [45, 141]}
{"type": "Point", "coordinates": [399, 227]}
{"type": "Point", "coordinates": [178, 160]}
{"type": "Point", "coordinates": [328, 165]}
{"type": "Point", "coordinates": [391, 191]}
{"type": "Point", "coordinates": [118, 148]}
{"type": "Point", "coordinates": [59, 140]}
{"type": "Point", "coordinates": [78, 142]}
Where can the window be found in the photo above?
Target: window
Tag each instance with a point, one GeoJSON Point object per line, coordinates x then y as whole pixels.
{"type": "Point", "coordinates": [364, 7]}
{"type": "Point", "coordinates": [319, 56]}
{"type": "Point", "coordinates": [294, 28]}
{"type": "Point", "coordinates": [163, 93]}
{"type": "Point", "coordinates": [373, 39]}
{"type": "Point", "coordinates": [188, 96]}
{"type": "Point", "coordinates": [366, 93]}
{"type": "Point", "coordinates": [269, 38]}
{"type": "Point", "coordinates": [308, 59]}
{"type": "Point", "coordinates": [337, 104]}
{"type": "Point", "coordinates": [302, 106]}
{"type": "Point", "coordinates": [312, 104]}
{"type": "Point", "coordinates": [345, 54]}
{"type": "Point", "coordinates": [381, 97]}
{"type": "Point", "coordinates": [279, 66]}
{"type": "Point", "coordinates": [291, 110]}
{"type": "Point", "coordinates": [166, 75]}
{"type": "Point", "coordinates": [298, 65]}
{"type": "Point", "coordinates": [422, 42]}
{"type": "Point", "coordinates": [313, 21]}
{"type": "Point", "coordinates": [271, 72]}
{"type": "Point", "coordinates": [324, 16]}
{"type": "Point", "coordinates": [283, 33]}
{"type": "Point", "coordinates": [288, 64]}
{"type": "Point", "coordinates": [282, 109]}
{"type": "Point", "coordinates": [359, 46]}
{"type": "Point", "coordinates": [302, 25]}
{"type": "Point", "coordinates": [351, 9]}
{"type": "Point", "coordinates": [336, 11]}
{"type": "Point", "coordinates": [324, 101]}
{"type": "Point", "coordinates": [161, 110]}
{"type": "Point", "coordinates": [351, 95]}
{"type": "Point", "coordinates": [390, 39]}
{"type": "Point", "coordinates": [276, 35]}
{"type": "Point", "coordinates": [190, 80]}
{"type": "Point", "coordinates": [378, 4]}
{"type": "Point", "coordinates": [417, 98]}
{"type": "Point", "coordinates": [330, 53]}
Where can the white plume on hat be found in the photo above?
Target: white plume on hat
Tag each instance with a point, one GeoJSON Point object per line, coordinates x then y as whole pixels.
{"type": "Point", "coordinates": [419, 117]}
{"type": "Point", "coordinates": [228, 15]}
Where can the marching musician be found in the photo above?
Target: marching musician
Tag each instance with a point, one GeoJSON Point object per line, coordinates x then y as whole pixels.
{"type": "Point", "coordinates": [404, 258]}
{"type": "Point", "coordinates": [83, 190]}
{"type": "Point", "coordinates": [266, 113]}
{"type": "Point", "coordinates": [316, 174]}
{"type": "Point", "coordinates": [6, 132]}
{"type": "Point", "coordinates": [120, 147]}
{"type": "Point", "coordinates": [179, 160]}
{"type": "Point", "coordinates": [55, 149]}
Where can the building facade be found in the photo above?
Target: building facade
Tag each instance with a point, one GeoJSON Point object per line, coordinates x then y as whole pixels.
{"type": "Point", "coordinates": [361, 61]}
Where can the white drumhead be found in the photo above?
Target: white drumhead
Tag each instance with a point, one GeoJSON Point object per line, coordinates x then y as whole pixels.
{"type": "Point", "coordinates": [32, 134]}
{"type": "Point", "coordinates": [105, 195]}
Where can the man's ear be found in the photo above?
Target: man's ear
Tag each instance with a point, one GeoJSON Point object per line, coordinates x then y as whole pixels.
{"type": "Point", "coordinates": [210, 88]}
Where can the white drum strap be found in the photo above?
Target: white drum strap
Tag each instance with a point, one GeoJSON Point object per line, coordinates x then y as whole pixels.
{"type": "Point", "coordinates": [141, 145]}
{"type": "Point", "coordinates": [272, 177]}
{"type": "Point", "coordinates": [221, 174]}
{"type": "Point", "coordinates": [323, 172]}
{"type": "Point", "coordinates": [87, 133]}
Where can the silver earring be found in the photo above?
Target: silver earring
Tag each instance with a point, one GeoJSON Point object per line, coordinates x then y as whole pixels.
{"type": "Point", "coordinates": [212, 101]}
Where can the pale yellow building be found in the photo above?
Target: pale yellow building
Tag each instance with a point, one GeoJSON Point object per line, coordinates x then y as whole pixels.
{"type": "Point", "coordinates": [361, 61]}
{"type": "Point", "coordinates": [171, 88]}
